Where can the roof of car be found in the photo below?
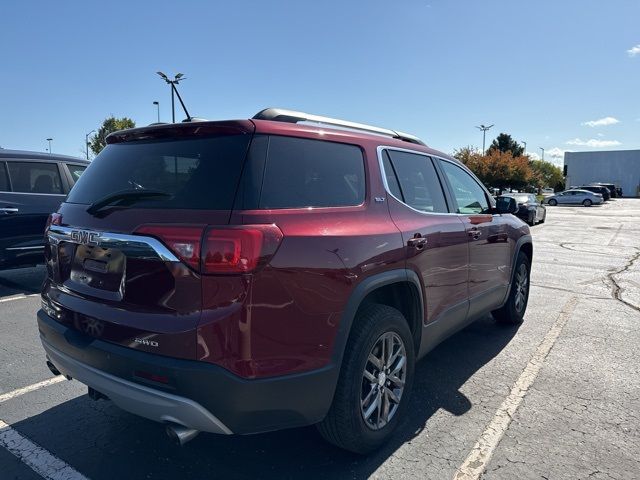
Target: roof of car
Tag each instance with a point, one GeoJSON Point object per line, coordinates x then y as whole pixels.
{"type": "Point", "coordinates": [27, 155]}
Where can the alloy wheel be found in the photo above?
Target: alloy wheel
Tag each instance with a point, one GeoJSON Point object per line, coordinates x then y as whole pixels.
{"type": "Point", "coordinates": [383, 380]}
{"type": "Point", "coordinates": [521, 286]}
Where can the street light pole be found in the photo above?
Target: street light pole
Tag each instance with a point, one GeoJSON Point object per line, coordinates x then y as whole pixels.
{"type": "Point", "coordinates": [49, 140]}
{"type": "Point", "coordinates": [542, 152]}
{"type": "Point", "coordinates": [484, 129]}
{"type": "Point", "coordinates": [176, 80]}
{"type": "Point", "coordinates": [157, 104]}
{"type": "Point", "coordinates": [525, 146]}
{"type": "Point", "coordinates": [86, 142]}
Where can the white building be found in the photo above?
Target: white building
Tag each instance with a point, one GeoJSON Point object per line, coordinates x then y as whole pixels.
{"type": "Point", "coordinates": [621, 167]}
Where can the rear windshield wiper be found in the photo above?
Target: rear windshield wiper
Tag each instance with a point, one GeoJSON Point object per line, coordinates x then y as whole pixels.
{"type": "Point", "coordinates": [124, 197]}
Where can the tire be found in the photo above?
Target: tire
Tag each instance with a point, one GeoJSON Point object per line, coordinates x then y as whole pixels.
{"type": "Point", "coordinates": [587, 203]}
{"type": "Point", "coordinates": [512, 312]}
{"type": "Point", "coordinates": [553, 202]}
{"type": "Point", "coordinates": [346, 424]}
{"type": "Point", "coordinates": [532, 219]}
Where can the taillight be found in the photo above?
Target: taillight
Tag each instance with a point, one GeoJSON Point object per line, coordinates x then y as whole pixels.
{"type": "Point", "coordinates": [219, 249]}
{"type": "Point", "coordinates": [239, 249]}
{"type": "Point", "coordinates": [53, 219]}
{"type": "Point", "coordinates": [184, 241]}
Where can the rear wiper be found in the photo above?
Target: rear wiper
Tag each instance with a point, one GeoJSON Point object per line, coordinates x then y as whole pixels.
{"type": "Point", "coordinates": [130, 195]}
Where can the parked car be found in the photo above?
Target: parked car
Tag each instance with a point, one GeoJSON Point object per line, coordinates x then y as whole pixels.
{"type": "Point", "coordinates": [253, 275]}
{"type": "Point", "coordinates": [612, 188]}
{"type": "Point", "coordinates": [575, 196]}
{"type": "Point", "coordinates": [32, 185]}
{"type": "Point", "coordinates": [529, 209]}
{"type": "Point", "coordinates": [601, 189]}
{"type": "Point", "coordinates": [547, 192]}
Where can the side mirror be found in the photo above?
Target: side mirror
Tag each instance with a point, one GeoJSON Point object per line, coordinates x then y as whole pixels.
{"type": "Point", "coordinates": [506, 205]}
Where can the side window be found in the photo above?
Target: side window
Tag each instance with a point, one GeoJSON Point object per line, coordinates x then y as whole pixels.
{"type": "Point", "coordinates": [4, 179]}
{"type": "Point", "coordinates": [75, 171]}
{"type": "Point", "coordinates": [469, 196]}
{"type": "Point", "coordinates": [390, 175]}
{"type": "Point", "coordinates": [418, 181]}
{"type": "Point", "coordinates": [312, 173]}
{"type": "Point", "coordinates": [34, 177]}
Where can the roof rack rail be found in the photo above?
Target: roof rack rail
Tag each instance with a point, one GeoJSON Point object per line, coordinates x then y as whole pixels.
{"type": "Point", "coordinates": [291, 116]}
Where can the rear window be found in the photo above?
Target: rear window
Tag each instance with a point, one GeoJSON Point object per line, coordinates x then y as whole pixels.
{"type": "Point", "coordinates": [200, 173]}
{"type": "Point", "coordinates": [35, 177]}
{"type": "Point", "coordinates": [75, 171]}
{"type": "Point", "coordinates": [300, 172]}
{"type": "Point", "coordinates": [4, 180]}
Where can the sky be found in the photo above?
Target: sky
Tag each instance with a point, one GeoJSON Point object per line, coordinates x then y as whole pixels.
{"type": "Point", "coordinates": [558, 74]}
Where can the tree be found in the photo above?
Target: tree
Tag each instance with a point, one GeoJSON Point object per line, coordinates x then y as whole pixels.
{"type": "Point", "coordinates": [505, 143]}
{"type": "Point", "coordinates": [110, 124]}
{"type": "Point", "coordinates": [546, 174]}
{"type": "Point", "coordinates": [497, 169]}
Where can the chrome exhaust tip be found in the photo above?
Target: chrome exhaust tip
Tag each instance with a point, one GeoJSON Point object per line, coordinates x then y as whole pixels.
{"type": "Point", "coordinates": [181, 435]}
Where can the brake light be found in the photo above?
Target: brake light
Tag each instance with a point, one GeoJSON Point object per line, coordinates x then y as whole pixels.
{"type": "Point", "coordinates": [53, 219]}
{"type": "Point", "coordinates": [220, 249]}
{"type": "Point", "coordinates": [184, 241]}
{"type": "Point", "coordinates": [239, 250]}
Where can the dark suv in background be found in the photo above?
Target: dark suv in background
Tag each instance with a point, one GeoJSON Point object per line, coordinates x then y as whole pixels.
{"type": "Point", "coordinates": [32, 185]}
{"type": "Point", "coordinates": [251, 275]}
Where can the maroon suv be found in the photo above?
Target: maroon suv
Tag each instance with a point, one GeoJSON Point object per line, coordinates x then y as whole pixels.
{"type": "Point", "coordinates": [252, 275]}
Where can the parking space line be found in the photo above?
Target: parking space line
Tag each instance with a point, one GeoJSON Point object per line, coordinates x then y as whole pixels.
{"type": "Point", "coordinates": [476, 462]}
{"type": "Point", "coordinates": [35, 457]}
{"type": "Point", "coordinates": [30, 388]}
{"type": "Point", "coordinates": [19, 296]}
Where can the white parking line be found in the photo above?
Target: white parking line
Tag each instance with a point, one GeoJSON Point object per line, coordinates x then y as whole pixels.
{"type": "Point", "coordinates": [30, 388]}
{"type": "Point", "coordinates": [19, 296]}
{"type": "Point", "coordinates": [476, 463]}
{"type": "Point", "coordinates": [37, 458]}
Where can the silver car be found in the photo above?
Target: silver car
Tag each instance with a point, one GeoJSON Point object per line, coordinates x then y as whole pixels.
{"type": "Point", "coordinates": [575, 196]}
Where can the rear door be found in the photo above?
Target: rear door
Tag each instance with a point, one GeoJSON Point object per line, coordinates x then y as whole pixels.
{"type": "Point", "coordinates": [31, 191]}
{"type": "Point", "coordinates": [489, 248]}
{"type": "Point", "coordinates": [435, 239]}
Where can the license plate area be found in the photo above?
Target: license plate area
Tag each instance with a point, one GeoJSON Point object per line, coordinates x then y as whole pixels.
{"type": "Point", "coordinates": [98, 271]}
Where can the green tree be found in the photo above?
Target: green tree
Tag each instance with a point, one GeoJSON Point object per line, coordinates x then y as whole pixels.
{"type": "Point", "coordinates": [505, 143]}
{"type": "Point", "coordinates": [110, 124]}
{"type": "Point", "coordinates": [546, 174]}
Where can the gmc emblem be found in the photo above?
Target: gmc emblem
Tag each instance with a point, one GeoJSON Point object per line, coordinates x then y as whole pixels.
{"type": "Point", "coordinates": [85, 237]}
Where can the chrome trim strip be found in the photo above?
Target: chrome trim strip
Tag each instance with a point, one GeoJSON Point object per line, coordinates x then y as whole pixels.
{"type": "Point", "coordinates": [25, 248]}
{"type": "Point", "coordinates": [135, 246]}
{"type": "Point", "coordinates": [382, 148]}
{"type": "Point", "coordinates": [35, 193]}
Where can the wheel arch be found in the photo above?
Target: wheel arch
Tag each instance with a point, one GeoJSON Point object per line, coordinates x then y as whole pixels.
{"type": "Point", "coordinates": [524, 245]}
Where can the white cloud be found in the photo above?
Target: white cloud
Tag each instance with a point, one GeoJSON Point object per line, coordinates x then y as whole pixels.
{"type": "Point", "coordinates": [593, 143]}
{"type": "Point", "coordinates": [633, 51]}
{"type": "Point", "coordinates": [533, 155]}
{"type": "Point", "coordinates": [601, 122]}
{"type": "Point", "coordinates": [601, 135]}
{"type": "Point", "coordinates": [555, 152]}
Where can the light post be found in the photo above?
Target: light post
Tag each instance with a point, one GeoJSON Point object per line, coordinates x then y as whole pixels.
{"type": "Point", "coordinates": [49, 140]}
{"type": "Point", "coordinates": [525, 146]}
{"type": "Point", "coordinates": [157, 104]}
{"type": "Point", "coordinates": [176, 80]}
{"type": "Point", "coordinates": [484, 129]}
{"type": "Point", "coordinates": [542, 152]}
{"type": "Point", "coordinates": [86, 142]}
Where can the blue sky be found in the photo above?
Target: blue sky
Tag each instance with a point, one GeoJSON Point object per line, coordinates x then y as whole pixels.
{"type": "Point", "coordinates": [436, 68]}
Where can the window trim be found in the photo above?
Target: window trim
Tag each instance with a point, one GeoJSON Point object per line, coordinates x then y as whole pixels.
{"type": "Point", "coordinates": [381, 148]}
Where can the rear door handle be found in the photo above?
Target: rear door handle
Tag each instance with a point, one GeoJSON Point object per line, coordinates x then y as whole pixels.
{"type": "Point", "coordinates": [8, 210]}
{"type": "Point", "coordinates": [417, 242]}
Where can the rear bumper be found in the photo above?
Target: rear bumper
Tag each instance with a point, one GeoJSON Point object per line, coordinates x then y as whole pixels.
{"type": "Point", "coordinates": [198, 395]}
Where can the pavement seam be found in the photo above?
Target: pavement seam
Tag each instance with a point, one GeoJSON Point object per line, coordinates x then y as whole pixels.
{"type": "Point", "coordinates": [616, 288]}
{"type": "Point", "coordinates": [19, 296]}
{"type": "Point", "coordinates": [30, 388]}
{"type": "Point", "coordinates": [476, 462]}
{"type": "Point", "coordinates": [41, 461]}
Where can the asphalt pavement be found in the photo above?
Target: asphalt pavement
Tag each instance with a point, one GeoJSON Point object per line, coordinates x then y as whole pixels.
{"type": "Point", "coordinates": [556, 398]}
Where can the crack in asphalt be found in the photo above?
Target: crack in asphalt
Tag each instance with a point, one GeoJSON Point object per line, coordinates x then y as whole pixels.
{"type": "Point", "coordinates": [616, 288]}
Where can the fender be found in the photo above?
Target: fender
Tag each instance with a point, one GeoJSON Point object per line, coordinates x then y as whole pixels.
{"type": "Point", "coordinates": [359, 293]}
{"type": "Point", "coordinates": [521, 241]}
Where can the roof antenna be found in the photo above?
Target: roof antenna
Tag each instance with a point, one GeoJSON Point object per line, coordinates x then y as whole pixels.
{"type": "Point", "coordinates": [178, 77]}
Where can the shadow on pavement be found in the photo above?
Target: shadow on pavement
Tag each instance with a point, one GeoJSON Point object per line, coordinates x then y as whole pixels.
{"type": "Point", "coordinates": [101, 441]}
{"type": "Point", "coordinates": [21, 280]}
